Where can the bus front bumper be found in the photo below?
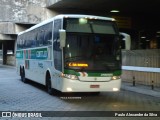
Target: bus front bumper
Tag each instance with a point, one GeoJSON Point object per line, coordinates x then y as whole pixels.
{"type": "Point", "coordinates": [83, 86]}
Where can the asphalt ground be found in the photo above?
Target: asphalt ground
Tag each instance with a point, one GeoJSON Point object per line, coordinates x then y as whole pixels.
{"type": "Point", "coordinates": [18, 96]}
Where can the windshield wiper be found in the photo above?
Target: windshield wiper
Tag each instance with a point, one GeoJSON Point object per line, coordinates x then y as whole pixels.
{"type": "Point", "coordinates": [90, 25]}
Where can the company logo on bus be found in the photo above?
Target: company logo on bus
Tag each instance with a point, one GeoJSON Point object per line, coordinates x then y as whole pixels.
{"type": "Point", "coordinates": [106, 75]}
{"type": "Point", "coordinates": [41, 54]}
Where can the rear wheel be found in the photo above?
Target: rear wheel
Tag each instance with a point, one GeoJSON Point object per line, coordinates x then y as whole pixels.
{"type": "Point", "coordinates": [23, 76]}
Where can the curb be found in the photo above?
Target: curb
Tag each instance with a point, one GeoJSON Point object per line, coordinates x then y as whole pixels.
{"type": "Point", "coordinates": [141, 90]}
{"type": "Point", "coordinates": [7, 66]}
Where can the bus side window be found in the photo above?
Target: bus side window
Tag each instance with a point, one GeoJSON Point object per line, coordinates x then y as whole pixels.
{"type": "Point", "coordinates": [33, 39]}
{"type": "Point", "coordinates": [25, 41]}
{"type": "Point", "coordinates": [57, 27]}
{"type": "Point", "coordinates": [47, 37]}
{"type": "Point", "coordinates": [48, 34]}
{"type": "Point", "coordinates": [40, 36]}
{"type": "Point", "coordinates": [20, 42]}
{"type": "Point", "coordinates": [56, 45]}
{"type": "Point", "coordinates": [29, 39]}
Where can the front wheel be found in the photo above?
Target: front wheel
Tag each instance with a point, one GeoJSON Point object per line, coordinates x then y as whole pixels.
{"type": "Point", "coordinates": [49, 86]}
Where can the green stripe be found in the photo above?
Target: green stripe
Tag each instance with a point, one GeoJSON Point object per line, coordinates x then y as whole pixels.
{"type": "Point", "coordinates": [19, 54]}
{"type": "Point", "coordinates": [94, 74]}
{"type": "Point", "coordinates": [72, 72]}
{"type": "Point", "coordinates": [39, 53]}
{"type": "Point", "coordinates": [117, 73]}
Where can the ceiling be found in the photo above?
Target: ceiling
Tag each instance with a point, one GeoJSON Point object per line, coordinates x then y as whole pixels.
{"type": "Point", "coordinates": [144, 13]}
{"type": "Point", "coordinates": [126, 7]}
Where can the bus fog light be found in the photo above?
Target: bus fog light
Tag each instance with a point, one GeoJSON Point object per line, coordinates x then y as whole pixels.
{"type": "Point", "coordinates": [72, 77]}
{"type": "Point", "coordinates": [115, 77]}
{"type": "Point", "coordinates": [69, 89]}
{"type": "Point", "coordinates": [115, 89]}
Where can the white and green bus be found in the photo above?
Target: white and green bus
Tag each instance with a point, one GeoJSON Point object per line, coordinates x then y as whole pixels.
{"type": "Point", "coordinates": [71, 53]}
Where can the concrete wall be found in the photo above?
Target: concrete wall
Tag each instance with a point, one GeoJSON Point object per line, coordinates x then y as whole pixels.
{"type": "Point", "coordinates": [11, 60]}
{"type": "Point", "coordinates": [144, 66]}
{"type": "Point", "coordinates": [7, 28]}
{"type": "Point", "coordinates": [51, 2]}
{"type": "Point", "coordinates": [143, 58]}
{"type": "Point", "coordinates": [23, 11]}
{"type": "Point", "coordinates": [18, 15]}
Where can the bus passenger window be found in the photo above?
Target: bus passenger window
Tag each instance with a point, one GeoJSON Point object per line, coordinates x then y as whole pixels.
{"type": "Point", "coordinates": [48, 34]}
{"type": "Point", "coordinates": [47, 37]}
{"type": "Point", "coordinates": [40, 38]}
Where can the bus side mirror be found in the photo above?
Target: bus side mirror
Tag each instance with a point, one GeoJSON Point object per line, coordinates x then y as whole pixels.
{"type": "Point", "coordinates": [62, 35]}
{"type": "Point", "coordinates": [126, 39]}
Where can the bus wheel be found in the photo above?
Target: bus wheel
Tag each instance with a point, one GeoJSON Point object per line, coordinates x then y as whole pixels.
{"type": "Point", "coordinates": [49, 85]}
{"type": "Point", "coordinates": [23, 76]}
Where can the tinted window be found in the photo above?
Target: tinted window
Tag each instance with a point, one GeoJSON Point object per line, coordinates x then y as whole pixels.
{"type": "Point", "coordinates": [40, 36]}
{"type": "Point", "coordinates": [83, 25]}
{"type": "Point", "coordinates": [56, 46]}
{"type": "Point", "coordinates": [48, 34]}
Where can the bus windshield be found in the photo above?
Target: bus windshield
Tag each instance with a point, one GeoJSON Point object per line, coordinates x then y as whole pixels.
{"type": "Point", "coordinates": [91, 45]}
{"type": "Point", "coordinates": [83, 25]}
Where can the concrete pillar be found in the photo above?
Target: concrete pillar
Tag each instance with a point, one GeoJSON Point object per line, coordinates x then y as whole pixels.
{"type": "Point", "coordinates": [1, 53]}
{"type": "Point", "coordinates": [8, 42]}
{"type": "Point", "coordinates": [4, 53]}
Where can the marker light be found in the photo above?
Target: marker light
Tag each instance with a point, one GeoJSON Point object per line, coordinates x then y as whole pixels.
{"type": "Point", "coordinates": [114, 11]}
{"type": "Point", "coordinates": [113, 19]}
{"type": "Point", "coordinates": [77, 64]}
{"type": "Point", "coordinates": [83, 21]}
{"type": "Point", "coordinates": [143, 37]}
{"type": "Point", "coordinates": [66, 17]}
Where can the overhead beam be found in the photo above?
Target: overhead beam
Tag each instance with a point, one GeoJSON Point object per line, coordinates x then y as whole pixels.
{"type": "Point", "coordinates": [6, 37]}
{"type": "Point", "coordinates": [52, 2]}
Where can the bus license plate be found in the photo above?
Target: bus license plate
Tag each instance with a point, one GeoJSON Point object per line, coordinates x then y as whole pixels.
{"type": "Point", "coordinates": [94, 86]}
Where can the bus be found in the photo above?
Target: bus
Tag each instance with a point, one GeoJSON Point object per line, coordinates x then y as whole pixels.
{"type": "Point", "coordinates": [71, 53]}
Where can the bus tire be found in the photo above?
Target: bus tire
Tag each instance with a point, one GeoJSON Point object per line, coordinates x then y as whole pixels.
{"type": "Point", "coordinates": [49, 84]}
{"type": "Point", "coordinates": [23, 76]}
{"type": "Point", "coordinates": [20, 71]}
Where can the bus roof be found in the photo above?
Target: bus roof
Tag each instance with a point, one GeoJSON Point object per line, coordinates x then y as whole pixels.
{"type": "Point", "coordinates": [66, 16]}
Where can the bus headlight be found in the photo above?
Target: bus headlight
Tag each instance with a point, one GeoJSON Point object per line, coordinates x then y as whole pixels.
{"type": "Point", "coordinates": [115, 77]}
{"type": "Point", "coordinates": [72, 77]}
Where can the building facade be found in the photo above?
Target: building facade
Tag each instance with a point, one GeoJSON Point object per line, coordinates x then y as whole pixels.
{"type": "Point", "coordinates": [16, 16]}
